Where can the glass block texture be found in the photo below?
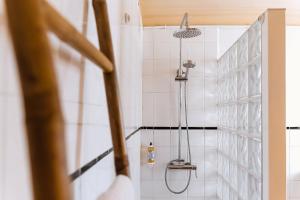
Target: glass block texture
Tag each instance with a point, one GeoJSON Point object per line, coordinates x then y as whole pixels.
{"type": "Point", "coordinates": [239, 119]}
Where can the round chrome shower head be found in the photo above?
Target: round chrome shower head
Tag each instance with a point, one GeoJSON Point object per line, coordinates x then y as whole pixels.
{"type": "Point", "coordinates": [187, 33]}
{"type": "Point", "coordinates": [189, 64]}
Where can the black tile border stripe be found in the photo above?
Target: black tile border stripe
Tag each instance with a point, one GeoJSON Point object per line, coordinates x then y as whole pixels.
{"type": "Point", "coordinates": [73, 176]}
{"type": "Point", "coordinates": [93, 162]}
{"type": "Point", "coordinates": [176, 127]}
{"type": "Point", "coordinates": [89, 165]}
{"type": "Point", "coordinates": [292, 127]}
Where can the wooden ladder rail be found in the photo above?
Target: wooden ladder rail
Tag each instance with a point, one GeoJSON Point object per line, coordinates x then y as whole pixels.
{"type": "Point", "coordinates": [28, 22]}
{"type": "Point", "coordinates": [112, 88]}
{"type": "Point", "coordinates": [43, 115]}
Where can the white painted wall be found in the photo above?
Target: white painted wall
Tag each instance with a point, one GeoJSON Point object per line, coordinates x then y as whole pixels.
{"type": "Point", "coordinates": [160, 108]}
{"type": "Point", "coordinates": [293, 111]}
{"type": "Point", "coordinates": [83, 102]}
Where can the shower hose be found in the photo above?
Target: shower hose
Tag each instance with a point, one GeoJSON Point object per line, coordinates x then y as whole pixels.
{"type": "Point", "coordinates": [189, 148]}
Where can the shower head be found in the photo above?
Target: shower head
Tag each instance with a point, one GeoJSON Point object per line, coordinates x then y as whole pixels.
{"type": "Point", "coordinates": [189, 64]}
{"type": "Point", "coordinates": [187, 33]}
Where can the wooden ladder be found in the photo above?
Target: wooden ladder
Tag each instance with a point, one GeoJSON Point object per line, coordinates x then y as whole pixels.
{"type": "Point", "coordinates": [28, 22]}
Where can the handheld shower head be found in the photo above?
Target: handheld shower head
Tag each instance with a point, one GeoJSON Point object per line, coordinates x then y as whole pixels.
{"type": "Point", "coordinates": [189, 64]}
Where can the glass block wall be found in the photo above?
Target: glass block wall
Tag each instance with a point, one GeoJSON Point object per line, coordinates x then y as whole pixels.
{"type": "Point", "coordinates": [239, 111]}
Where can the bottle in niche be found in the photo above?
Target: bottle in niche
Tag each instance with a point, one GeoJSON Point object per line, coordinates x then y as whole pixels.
{"type": "Point", "coordinates": [151, 154]}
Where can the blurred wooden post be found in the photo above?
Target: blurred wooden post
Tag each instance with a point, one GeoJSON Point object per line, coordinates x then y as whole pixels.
{"type": "Point", "coordinates": [112, 89]}
{"type": "Point", "coordinates": [44, 122]}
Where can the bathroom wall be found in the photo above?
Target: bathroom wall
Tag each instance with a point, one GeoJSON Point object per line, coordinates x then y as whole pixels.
{"type": "Point", "coordinates": [160, 108]}
{"type": "Point", "coordinates": [292, 111]}
{"type": "Point", "coordinates": [82, 99]}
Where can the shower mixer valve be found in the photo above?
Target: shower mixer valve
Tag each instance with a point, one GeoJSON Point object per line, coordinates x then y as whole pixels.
{"type": "Point", "coordinates": [183, 75]}
{"type": "Point", "coordinates": [181, 164]}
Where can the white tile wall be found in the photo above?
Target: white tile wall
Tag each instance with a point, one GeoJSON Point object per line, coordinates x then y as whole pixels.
{"type": "Point", "coordinates": [204, 156]}
{"type": "Point", "coordinates": [159, 70]}
{"type": "Point", "coordinates": [83, 103]}
{"type": "Point", "coordinates": [160, 108]}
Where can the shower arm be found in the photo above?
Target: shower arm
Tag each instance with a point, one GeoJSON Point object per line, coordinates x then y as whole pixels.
{"type": "Point", "coordinates": [184, 20]}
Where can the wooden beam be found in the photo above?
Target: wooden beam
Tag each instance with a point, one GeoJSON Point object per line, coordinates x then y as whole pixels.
{"type": "Point", "coordinates": [112, 89]}
{"type": "Point", "coordinates": [44, 121]}
{"type": "Point", "coordinates": [213, 12]}
{"type": "Point", "coordinates": [273, 105]}
{"type": "Point", "coordinates": [67, 33]}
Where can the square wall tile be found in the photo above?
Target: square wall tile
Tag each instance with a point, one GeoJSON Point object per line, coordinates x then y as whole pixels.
{"type": "Point", "coordinates": [148, 109]}
{"type": "Point", "coordinates": [211, 33]}
{"type": "Point", "coordinates": [148, 67]}
{"type": "Point", "coordinates": [148, 35]}
{"type": "Point", "coordinates": [162, 138]}
{"type": "Point", "coordinates": [196, 189]}
{"type": "Point", "coordinates": [162, 66]}
{"type": "Point", "coordinates": [293, 187]}
{"type": "Point", "coordinates": [147, 189]}
{"type": "Point", "coordinates": [162, 109]}
{"type": "Point", "coordinates": [161, 50]}
{"type": "Point", "coordinates": [196, 137]}
{"type": "Point", "coordinates": [211, 50]}
{"type": "Point", "coordinates": [148, 50]}
{"type": "Point", "coordinates": [162, 34]}
{"type": "Point", "coordinates": [294, 163]}
{"type": "Point", "coordinates": [160, 190]}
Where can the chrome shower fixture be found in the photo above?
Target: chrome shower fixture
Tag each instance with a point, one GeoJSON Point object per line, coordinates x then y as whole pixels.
{"type": "Point", "coordinates": [189, 64]}
{"type": "Point", "coordinates": [186, 32]}
{"type": "Point", "coordinates": [181, 164]}
{"type": "Point", "coordinates": [183, 76]}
